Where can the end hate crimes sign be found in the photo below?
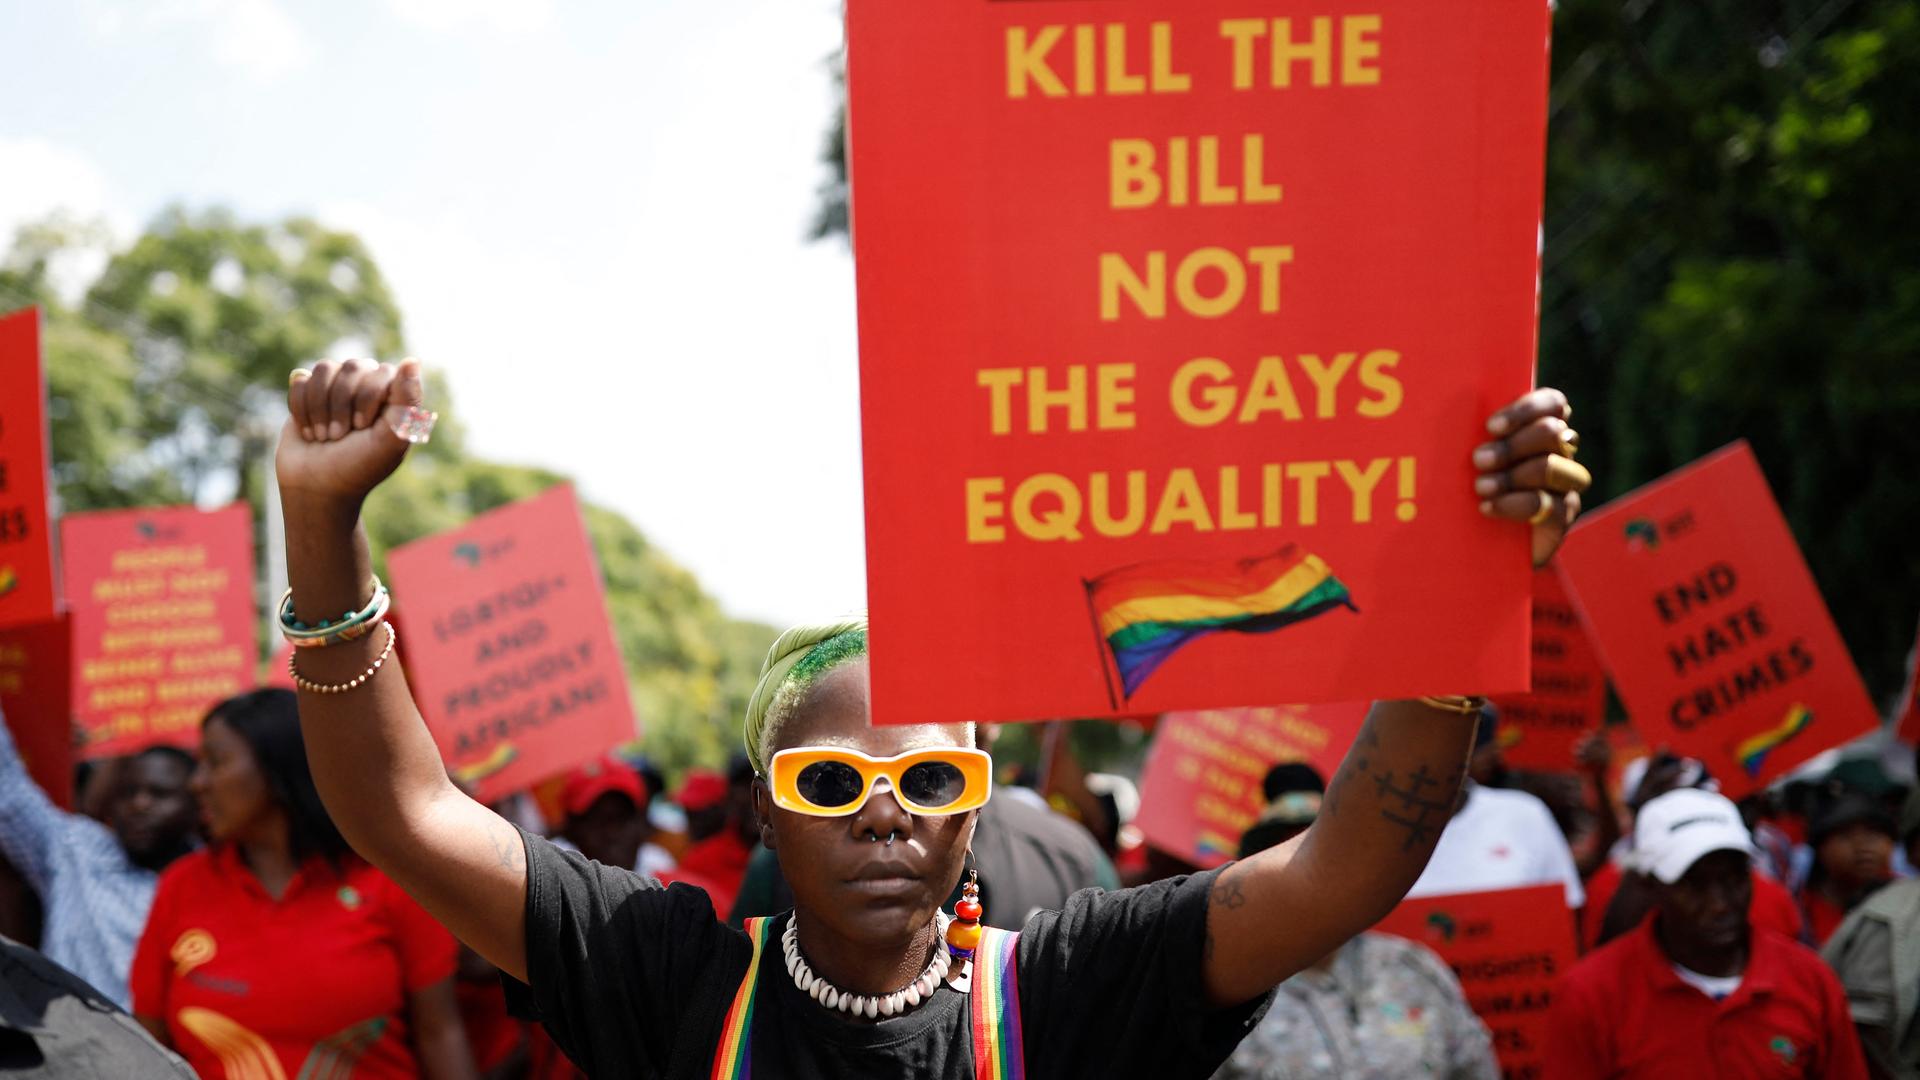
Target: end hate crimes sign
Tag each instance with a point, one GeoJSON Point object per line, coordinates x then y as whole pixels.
{"type": "Point", "coordinates": [161, 603]}
{"type": "Point", "coordinates": [1538, 729]}
{"type": "Point", "coordinates": [1201, 785]}
{"type": "Point", "coordinates": [26, 550]}
{"type": "Point", "coordinates": [1508, 948]}
{"type": "Point", "coordinates": [1179, 320]}
{"type": "Point", "coordinates": [1711, 625]}
{"type": "Point", "coordinates": [509, 649]}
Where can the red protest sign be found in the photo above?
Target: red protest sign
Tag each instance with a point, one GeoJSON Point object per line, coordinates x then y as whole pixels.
{"type": "Point", "coordinates": [1200, 786]}
{"type": "Point", "coordinates": [1569, 696]}
{"type": "Point", "coordinates": [509, 648]}
{"type": "Point", "coordinates": [26, 547]}
{"type": "Point", "coordinates": [1508, 948]}
{"type": "Point", "coordinates": [1169, 373]}
{"type": "Point", "coordinates": [36, 698]}
{"type": "Point", "coordinates": [163, 621]}
{"type": "Point", "coordinates": [1711, 625]}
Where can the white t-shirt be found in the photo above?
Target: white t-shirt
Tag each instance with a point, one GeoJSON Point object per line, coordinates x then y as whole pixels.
{"type": "Point", "coordinates": [1500, 840]}
{"type": "Point", "coordinates": [1716, 987]}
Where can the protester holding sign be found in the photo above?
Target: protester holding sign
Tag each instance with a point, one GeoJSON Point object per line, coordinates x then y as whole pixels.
{"type": "Point", "coordinates": [632, 978]}
{"type": "Point", "coordinates": [277, 952]}
{"type": "Point", "coordinates": [1380, 1007]}
{"type": "Point", "coordinates": [96, 881]}
{"type": "Point", "coordinates": [1698, 990]}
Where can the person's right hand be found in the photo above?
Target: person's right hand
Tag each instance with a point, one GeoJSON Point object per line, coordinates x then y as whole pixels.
{"type": "Point", "coordinates": [340, 440]}
{"type": "Point", "coordinates": [1594, 753]}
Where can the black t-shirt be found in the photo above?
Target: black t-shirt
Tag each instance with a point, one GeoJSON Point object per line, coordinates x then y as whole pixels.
{"type": "Point", "coordinates": [632, 979]}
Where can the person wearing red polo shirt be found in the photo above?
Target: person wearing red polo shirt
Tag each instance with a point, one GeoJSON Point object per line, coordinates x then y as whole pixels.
{"type": "Point", "coordinates": [276, 952]}
{"type": "Point", "coordinates": [1696, 990]}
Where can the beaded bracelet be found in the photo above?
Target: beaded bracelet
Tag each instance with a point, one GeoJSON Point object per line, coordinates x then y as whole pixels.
{"type": "Point", "coordinates": [352, 626]}
{"type": "Point", "coordinates": [355, 683]}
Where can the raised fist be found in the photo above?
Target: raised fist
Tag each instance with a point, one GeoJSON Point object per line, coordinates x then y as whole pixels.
{"type": "Point", "coordinates": [349, 425]}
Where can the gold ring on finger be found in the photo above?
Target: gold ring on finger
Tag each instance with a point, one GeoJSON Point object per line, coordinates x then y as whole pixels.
{"type": "Point", "coordinates": [1569, 446]}
{"type": "Point", "coordinates": [1545, 511]}
{"type": "Point", "coordinates": [1566, 475]}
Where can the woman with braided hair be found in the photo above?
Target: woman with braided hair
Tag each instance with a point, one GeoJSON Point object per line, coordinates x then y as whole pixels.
{"type": "Point", "coordinates": [867, 976]}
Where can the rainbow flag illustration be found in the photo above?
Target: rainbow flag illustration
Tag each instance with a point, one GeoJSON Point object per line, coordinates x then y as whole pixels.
{"type": "Point", "coordinates": [1752, 751]}
{"type": "Point", "coordinates": [1146, 612]}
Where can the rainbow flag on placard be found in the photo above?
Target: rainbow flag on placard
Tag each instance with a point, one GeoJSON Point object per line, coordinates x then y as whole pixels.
{"type": "Point", "coordinates": [1146, 612]}
{"type": "Point", "coordinates": [1752, 751]}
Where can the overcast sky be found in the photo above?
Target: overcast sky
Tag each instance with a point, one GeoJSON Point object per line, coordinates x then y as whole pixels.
{"type": "Point", "coordinates": [592, 214]}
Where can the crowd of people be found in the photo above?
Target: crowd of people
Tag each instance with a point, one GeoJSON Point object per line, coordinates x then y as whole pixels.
{"type": "Point", "coordinates": [211, 897]}
{"type": "Point", "coordinates": [309, 894]}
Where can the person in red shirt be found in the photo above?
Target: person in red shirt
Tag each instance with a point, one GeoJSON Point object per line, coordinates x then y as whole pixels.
{"type": "Point", "coordinates": [724, 834]}
{"type": "Point", "coordinates": [1697, 990]}
{"type": "Point", "coordinates": [1852, 841]}
{"type": "Point", "coordinates": [276, 952]}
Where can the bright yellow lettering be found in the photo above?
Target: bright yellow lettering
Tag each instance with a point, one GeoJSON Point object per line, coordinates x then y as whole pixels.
{"type": "Point", "coordinates": [1134, 182]}
{"type": "Point", "coordinates": [1218, 398]}
{"type": "Point", "coordinates": [1061, 523]}
{"type": "Point", "coordinates": [1269, 391]}
{"type": "Point", "coordinates": [1231, 516]}
{"type": "Point", "coordinates": [1356, 48]}
{"type": "Point", "coordinates": [1317, 50]}
{"type": "Point", "coordinates": [1186, 288]}
{"type": "Point", "coordinates": [1326, 380]}
{"type": "Point", "coordinates": [1243, 32]}
{"type": "Point", "coordinates": [1149, 296]}
{"type": "Point", "coordinates": [1181, 504]}
{"type": "Point", "coordinates": [1165, 79]}
{"type": "Point", "coordinates": [1308, 474]}
{"type": "Point", "coordinates": [984, 509]}
{"type": "Point", "coordinates": [1041, 398]}
{"type": "Point", "coordinates": [1027, 62]}
{"type": "Point", "coordinates": [1113, 397]}
{"type": "Point", "coordinates": [1119, 79]}
{"type": "Point", "coordinates": [1362, 483]}
{"type": "Point", "coordinates": [999, 384]}
{"type": "Point", "coordinates": [1375, 375]}
{"type": "Point", "coordinates": [1100, 502]}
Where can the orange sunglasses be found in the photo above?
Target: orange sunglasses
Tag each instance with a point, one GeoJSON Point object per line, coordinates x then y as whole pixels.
{"type": "Point", "coordinates": [831, 781]}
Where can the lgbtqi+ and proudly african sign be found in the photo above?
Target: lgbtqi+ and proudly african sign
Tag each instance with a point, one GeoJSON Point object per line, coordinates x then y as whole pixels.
{"type": "Point", "coordinates": [26, 545]}
{"type": "Point", "coordinates": [509, 649]}
{"type": "Point", "coordinates": [163, 621]}
{"type": "Point", "coordinates": [1710, 623]}
{"type": "Point", "coordinates": [1178, 321]}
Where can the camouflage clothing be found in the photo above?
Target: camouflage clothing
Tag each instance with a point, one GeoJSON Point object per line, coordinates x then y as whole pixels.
{"type": "Point", "coordinates": [1388, 1008]}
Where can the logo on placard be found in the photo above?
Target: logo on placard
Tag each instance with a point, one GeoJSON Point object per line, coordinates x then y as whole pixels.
{"type": "Point", "coordinates": [1752, 751]}
{"type": "Point", "coordinates": [1441, 927]}
{"type": "Point", "coordinates": [473, 552]}
{"type": "Point", "coordinates": [9, 579]}
{"type": "Point", "coordinates": [467, 553]}
{"type": "Point", "coordinates": [1146, 612]}
{"type": "Point", "coordinates": [1642, 535]}
{"type": "Point", "coordinates": [150, 531]}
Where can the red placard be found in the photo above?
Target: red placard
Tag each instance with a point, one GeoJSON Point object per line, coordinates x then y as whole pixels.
{"type": "Point", "coordinates": [1200, 787]}
{"type": "Point", "coordinates": [1508, 947]}
{"type": "Point", "coordinates": [163, 621]}
{"type": "Point", "coordinates": [1539, 729]}
{"type": "Point", "coordinates": [36, 696]}
{"type": "Point", "coordinates": [1711, 625]}
{"type": "Point", "coordinates": [509, 648]}
{"type": "Point", "coordinates": [1160, 338]}
{"type": "Point", "coordinates": [26, 546]}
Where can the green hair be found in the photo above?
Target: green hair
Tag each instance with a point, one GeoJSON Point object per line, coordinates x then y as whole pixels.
{"type": "Point", "coordinates": [794, 664]}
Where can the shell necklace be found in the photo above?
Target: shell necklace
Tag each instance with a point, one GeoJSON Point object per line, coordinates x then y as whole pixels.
{"type": "Point", "coordinates": [869, 1006]}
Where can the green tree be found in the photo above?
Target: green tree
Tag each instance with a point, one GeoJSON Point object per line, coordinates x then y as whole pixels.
{"type": "Point", "coordinates": [168, 378]}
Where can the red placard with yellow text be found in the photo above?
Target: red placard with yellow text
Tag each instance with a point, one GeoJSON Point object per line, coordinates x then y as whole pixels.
{"type": "Point", "coordinates": [163, 621]}
{"type": "Point", "coordinates": [1200, 787]}
{"type": "Point", "coordinates": [1179, 321]}
{"type": "Point", "coordinates": [26, 546]}
{"type": "Point", "coordinates": [1508, 947]}
{"type": "Point", "coordinates": [1538, 729]}
{"type": "Point", "coordinates": [36, 696]}
{"type": "Point", "coordinates": [1711, 625]}
{"type": "Point", "coordinates": [509, 649]}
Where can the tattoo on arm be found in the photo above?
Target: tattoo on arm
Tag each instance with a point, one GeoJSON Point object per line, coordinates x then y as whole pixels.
{"type": "Point", "coordinates": [507, 847]}
{"type": "Point", "coordinates": [1422, 816]}
{"type": "Point", "coordinates": [1359, 759]}
{"type": "Point", "coordinates": [1226, 889]}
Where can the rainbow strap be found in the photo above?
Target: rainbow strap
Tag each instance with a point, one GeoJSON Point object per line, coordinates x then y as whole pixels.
{"type": "Point", "coordinates": [998, 1053]}
{"type": "Point", "coordinates": [733, 1058]}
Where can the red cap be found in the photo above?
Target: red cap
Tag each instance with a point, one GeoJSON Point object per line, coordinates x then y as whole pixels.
{"type": "Point", "coordinates": [596, 778]}
{"type": "Point", "coordinates": [700, 789]}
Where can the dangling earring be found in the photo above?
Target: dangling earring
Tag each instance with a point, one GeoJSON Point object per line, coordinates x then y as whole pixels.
{"type": "Point", "coordinates": [963, 933]}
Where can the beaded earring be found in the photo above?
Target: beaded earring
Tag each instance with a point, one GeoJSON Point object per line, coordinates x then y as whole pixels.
{"type": "Point", "coordinates": [963, 933]}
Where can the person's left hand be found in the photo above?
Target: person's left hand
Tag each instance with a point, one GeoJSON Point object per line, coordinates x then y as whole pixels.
{"type": "Point", "coordinates": [1527, 472]}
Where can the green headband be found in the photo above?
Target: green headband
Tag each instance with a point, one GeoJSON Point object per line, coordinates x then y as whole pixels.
{"type": "Point", "coordinates": [796, 656]}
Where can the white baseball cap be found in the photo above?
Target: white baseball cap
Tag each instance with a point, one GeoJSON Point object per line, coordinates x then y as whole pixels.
{"type": "Point", "coordinates": [1674, 830]}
